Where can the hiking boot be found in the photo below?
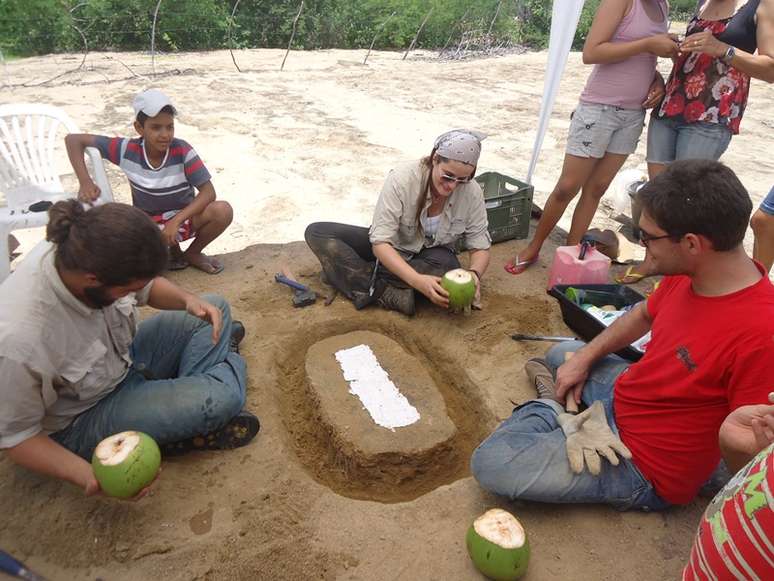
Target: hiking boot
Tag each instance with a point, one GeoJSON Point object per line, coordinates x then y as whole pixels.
{"type": "Point", "coordinates": [237, 334]}
{"type": "Point", "coordinates": [361, 300]}
{"type": "Point", "coordinates": [540, 376]}
{"type": "Point", "coordinates": [239, 431]}
{"type": "Point", "coordinates": [398, 299]}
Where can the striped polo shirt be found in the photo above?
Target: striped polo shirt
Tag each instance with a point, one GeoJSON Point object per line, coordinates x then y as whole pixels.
{"type": "Point", "coordinates": [156, 190]}
{"type": "Point", "coordinates": [735, 539]}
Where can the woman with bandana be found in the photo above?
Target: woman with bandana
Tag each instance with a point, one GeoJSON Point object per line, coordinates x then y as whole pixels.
{"type": "Point", "coordinates": [426, 211]}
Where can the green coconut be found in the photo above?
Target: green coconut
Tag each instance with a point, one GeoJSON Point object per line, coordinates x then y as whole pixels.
{"type": "Point", "coordinates": [498, 546]}
{"type": "Point", "coordinates": [126, 463]}
{"type": "Point", "coordinates": [461, 286]}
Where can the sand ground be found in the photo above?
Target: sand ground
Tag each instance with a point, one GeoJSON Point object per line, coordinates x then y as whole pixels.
{"type": "Point", "coordinates": [314, 143]}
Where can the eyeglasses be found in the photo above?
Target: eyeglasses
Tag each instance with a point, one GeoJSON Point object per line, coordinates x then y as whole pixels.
{"type": "Point", "coordinates": [646, 239]}
{"type": "Point", "coordinates": [450, 178]}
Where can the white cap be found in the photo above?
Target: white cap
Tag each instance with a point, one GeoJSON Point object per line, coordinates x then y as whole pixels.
{"type": "Point", "coordinates": [151, 102]}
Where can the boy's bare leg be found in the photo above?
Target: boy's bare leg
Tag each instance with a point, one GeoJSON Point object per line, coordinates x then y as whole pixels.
{"type": "Point", "coordinates": [208, 225]}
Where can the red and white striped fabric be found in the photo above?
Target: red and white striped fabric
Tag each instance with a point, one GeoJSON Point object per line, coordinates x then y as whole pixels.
{"type": "Point", "coordinates": [735, 539]}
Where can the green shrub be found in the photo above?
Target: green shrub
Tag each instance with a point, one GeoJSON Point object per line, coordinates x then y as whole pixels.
{"type": "Point", "coordinates": [43, 26]}
{"type": "Point", "coordinates": [534, 18]}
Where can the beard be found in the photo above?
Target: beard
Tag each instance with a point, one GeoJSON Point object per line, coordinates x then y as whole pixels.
{"type": "Point", "coordinates": [98, 296]}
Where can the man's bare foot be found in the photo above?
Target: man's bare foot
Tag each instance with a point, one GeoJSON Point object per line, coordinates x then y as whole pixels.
{"type": "Point", "coordinates": [204, 263]}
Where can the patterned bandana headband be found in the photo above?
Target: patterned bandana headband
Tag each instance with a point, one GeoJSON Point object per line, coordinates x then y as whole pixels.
{"type": "Point", "coordinates": [460, 145]}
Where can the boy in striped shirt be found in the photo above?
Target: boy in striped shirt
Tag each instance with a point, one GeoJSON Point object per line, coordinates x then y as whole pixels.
{"type": "Point", "coordinates": [164, 173]}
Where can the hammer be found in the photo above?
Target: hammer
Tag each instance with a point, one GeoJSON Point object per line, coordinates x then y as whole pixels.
{"type": "Point", "coordinates": [303, 296]}
{"type": "Point", "coordinates": [17, 569]}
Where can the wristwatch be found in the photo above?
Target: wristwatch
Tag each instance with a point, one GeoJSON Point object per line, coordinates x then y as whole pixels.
{"type": "Point", "coordinates": [729, 55]}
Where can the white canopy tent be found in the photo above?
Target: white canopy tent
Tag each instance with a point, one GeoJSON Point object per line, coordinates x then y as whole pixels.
{"type": "Point", "coordinates": [564, 21]}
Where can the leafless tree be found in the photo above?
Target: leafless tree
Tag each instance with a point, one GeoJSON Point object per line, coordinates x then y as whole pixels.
{"type": "Point", "coordinates": [292, 34]}
{"type": "Point", "coordinates": [153, 36]}
{"type": "Point", "coordinates": [370, 48]}
{"type": "Point", "coordinates": [416, 36]}
{"type": "Point", "coordinates": [496, 14]}
{"type": "Point", "coordinates": [230, 26]}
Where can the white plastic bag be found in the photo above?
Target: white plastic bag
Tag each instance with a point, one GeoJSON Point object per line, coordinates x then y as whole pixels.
{"type": "Point", "coordinates": [620, 189]}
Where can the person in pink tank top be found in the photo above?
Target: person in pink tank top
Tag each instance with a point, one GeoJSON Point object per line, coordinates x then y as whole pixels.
{"type": "Point", "coordinates": [625, 40]}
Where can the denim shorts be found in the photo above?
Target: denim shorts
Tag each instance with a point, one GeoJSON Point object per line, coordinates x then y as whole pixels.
{"type": "Point", "coordinates": [670, 140]}
{"type": "Point", "coordinates": [767, 206]}
{"type": "Point", "coordinates": [598, 129]}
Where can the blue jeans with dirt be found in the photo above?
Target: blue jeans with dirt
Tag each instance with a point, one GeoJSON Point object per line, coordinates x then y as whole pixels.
{"type": "Point", "coordinates": [526, 456]}
{"type": "Point", "coordinates": [180, 385]}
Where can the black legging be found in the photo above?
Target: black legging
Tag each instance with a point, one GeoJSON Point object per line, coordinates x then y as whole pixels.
{"type": "Point", "coordinates": [347, 259]}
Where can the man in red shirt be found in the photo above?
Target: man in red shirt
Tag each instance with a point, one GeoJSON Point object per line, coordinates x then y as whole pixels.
{"type": "Point", "coordinates": [712, 351]}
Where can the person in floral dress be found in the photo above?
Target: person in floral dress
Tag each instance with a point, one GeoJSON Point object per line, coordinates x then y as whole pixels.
{"type": "Point", "coordinates": [727, 43]}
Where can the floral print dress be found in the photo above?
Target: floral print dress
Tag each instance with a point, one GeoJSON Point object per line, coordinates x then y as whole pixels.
{"type": "Point", "coordinates": [704, 88]}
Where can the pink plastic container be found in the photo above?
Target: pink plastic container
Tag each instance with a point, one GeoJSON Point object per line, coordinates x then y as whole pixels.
{"type": "Point", "coordinates": [569, 268]}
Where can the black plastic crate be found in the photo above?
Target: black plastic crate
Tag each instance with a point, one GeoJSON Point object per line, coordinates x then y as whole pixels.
{"type": "Point", "coordinates": [508, 205]}
{"type": "Point", "coordinates": [584, 324]}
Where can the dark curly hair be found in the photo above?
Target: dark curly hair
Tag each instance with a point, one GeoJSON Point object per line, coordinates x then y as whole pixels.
{"type": "Point", "coordinates": [703, 197]}
{"type": "Point", "coordinates": [117, 243]}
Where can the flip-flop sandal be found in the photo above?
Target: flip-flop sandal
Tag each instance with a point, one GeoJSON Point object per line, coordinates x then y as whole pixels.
{"type": "Point", "coordinates": [215, 266]}
{"type": "Point", "coordinates": [177, 264]}
{"type": "Point", "coordinates": [629, 277]}
{"type": "Point", "coordinates": [519, 265]}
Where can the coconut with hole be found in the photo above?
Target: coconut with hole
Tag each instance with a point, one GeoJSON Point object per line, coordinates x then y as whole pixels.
{"type": "Point", "coordinates": [498, 545]}
{"type": "Point", "coordinates": [461, 286]}
{"type": "Point", "coordinates": [126, 463]}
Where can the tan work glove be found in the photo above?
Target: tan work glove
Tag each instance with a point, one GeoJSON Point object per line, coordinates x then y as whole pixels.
{"type": "Point", "coordinates": [589, 437]}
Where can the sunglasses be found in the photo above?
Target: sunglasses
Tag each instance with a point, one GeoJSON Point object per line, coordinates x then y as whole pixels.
{"type": "Point", "coordinates": [450, 178]}
{"type": "Point", "coordinates": [646, 239]}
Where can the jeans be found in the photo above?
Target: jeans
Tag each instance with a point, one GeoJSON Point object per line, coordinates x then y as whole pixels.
{"type": "Point", "coordinates": [767, 205]}
{"type": "Point", "coordinates": [347, 259]}
{"type": "Point", "coordinates": [670, 140]}
{"type": "Point", "coordinates": [180, 385]}
{"type": "Point", "coordinates": [526, 456]}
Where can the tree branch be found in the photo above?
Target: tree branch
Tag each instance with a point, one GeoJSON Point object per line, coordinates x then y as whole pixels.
{"type": "Point", "coordinates": [292, 34]}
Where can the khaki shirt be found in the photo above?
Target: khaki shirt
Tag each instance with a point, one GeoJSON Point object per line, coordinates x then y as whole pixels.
{"type": "Point", "coordinates": [463, 217]}
{"type": "Point", "coordinates": [58, 357]}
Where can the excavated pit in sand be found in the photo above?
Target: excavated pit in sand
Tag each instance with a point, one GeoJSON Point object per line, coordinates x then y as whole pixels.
{"type": "Point", "coordinates": [338, 442]}
{"type": "Point", "coordinates": [378, 448]}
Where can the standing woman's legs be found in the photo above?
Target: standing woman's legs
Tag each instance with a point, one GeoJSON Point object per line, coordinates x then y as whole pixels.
{"type": "Point", "coordinates": [662, 150]}
{"type": "Point", "coordinates": [575, 171]}
{"type": "Point", "coordinates": [654, 169]}
{"type": "Point", "coordinates": [625, 127]}
{"type": "Point", "coordinates": [595, 187]}
{"type": "Point", "coordinates": [763, 227]}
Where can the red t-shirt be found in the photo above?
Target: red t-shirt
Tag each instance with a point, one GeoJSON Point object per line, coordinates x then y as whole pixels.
{"type": "Point", "coordinates": [707, 356]}
{"type": "Point", "coordinates": [735, 536]}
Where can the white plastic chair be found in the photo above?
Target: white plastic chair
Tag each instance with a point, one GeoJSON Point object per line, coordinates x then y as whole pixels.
{"type": "Point", "coordinates": [29, 136]}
